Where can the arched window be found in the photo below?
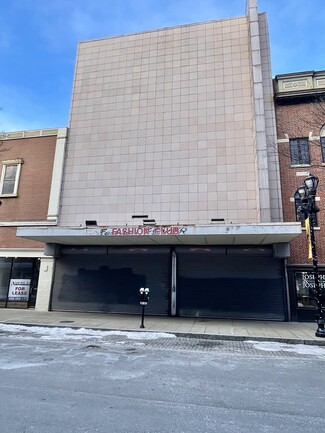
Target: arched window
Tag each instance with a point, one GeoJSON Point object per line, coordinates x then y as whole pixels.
{"type": "Point", "coordinates": [322, 142]}
{"type": "Point", "coordinates": [299, 216]}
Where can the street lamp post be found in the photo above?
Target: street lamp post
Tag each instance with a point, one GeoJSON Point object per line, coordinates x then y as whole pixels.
{"type": "Point", "coordinates": [308, 209]}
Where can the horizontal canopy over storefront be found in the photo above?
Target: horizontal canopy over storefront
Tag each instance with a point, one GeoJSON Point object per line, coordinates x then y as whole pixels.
{"type": "Point", "coordinates": [231, 234]}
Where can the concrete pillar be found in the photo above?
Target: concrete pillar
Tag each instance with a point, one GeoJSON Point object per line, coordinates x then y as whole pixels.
{"type": "Point", "coordinates": [45, 284]}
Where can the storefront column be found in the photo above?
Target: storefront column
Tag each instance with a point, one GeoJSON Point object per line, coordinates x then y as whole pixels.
{"type": "Point", "coordinates": [45, 284]}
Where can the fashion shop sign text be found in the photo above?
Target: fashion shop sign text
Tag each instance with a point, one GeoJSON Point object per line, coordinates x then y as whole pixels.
{"type": "Point", "coordinates": [144, 231]}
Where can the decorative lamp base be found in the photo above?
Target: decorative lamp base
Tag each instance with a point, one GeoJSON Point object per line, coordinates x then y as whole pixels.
{"type": "Point", "coordinates": [320, 331]}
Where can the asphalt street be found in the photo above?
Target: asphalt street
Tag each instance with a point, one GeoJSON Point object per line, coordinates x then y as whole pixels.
{"type": "Point", "coordinates": [66, 380]}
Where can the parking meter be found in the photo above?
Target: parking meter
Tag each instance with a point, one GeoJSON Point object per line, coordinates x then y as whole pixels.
{"type": "Point", "coordinates": [144, 298]}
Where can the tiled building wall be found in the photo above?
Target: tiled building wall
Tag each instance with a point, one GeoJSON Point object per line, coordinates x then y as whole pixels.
{"type": "Point", "coordinates": [162, 124]}
{"type": "Point", "coordinates": [299, 121]}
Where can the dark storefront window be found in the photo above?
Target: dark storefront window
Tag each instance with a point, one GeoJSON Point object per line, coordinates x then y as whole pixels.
{"type": "Point", "coordinates": [18, 282]}
{"type": "Point", "coordinates": [5, 270]}
{"type": "Point", "coordinates": [305, 283]}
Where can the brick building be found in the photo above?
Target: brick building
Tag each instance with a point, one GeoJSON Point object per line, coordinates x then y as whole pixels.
{"type": "Point", "coordinates": [30, 168]}
{"type": "Point", "coordinates": [300, 118]}
{"type": "Point", "coordinates": [170, 180]}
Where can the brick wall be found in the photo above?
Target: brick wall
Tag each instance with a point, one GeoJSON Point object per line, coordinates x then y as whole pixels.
{"type": "Point", "coordinates": [32, 201]}
{"type": "Point", "coordinates": [8, 239]}
{"type": "Point", "coordinates": [301, 120]}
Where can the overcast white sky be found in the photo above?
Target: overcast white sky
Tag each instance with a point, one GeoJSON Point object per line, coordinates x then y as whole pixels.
{"type": "Point", "coordinates": [38, 42]}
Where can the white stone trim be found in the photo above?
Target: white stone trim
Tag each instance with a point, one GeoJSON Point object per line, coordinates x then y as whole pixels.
{"type": "Point", "coordinates": [21, 252]}
{"type": "Point", "coordinates": [57, 175]}
{"type": "Point", "coordinates": [44, 284]}
{"type": "Point", "coordinates": [28, 134]}
{"type": "Point", "coordinates": [27, 223]}
{"type": "Point", "coordinates": [263, 159]}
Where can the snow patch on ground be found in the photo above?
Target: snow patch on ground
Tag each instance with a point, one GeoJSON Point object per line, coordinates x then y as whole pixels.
{"type": "Point", "coordinates": [17, 365]}
{"type": "Point", "coordinates": [300, 349]}
{"type": "Point", "coordinates": [50, 333]}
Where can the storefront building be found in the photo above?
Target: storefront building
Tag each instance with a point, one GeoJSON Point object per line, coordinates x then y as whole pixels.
{"type": "Point", "coordinates": [28, 160]}
{"type": "Point", "coordinates": [169, 180]}
{"type": "Point", "coordinates": [300, 116]}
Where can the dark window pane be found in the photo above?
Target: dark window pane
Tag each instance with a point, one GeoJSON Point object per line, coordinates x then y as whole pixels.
{"type": "Point", "coordinates": [11, 171]}
{"type": "Point", "coordinates": [322, 143]}
{"type": "Point", "coordinates": [299, 216]}
{"type": "Point", "coordinates": [9, 179]}
{"type": "Point", "coordinates": [8, 187]}
{"type": "Point", "coordinates": [5, 268]}
{"type": "Point", "coordinates": [299, 151]}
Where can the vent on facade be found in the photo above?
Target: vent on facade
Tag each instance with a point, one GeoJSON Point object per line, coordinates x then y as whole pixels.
{"type": "Point", "coordinates": [91, 223]}
{"type": "Point", "coordinates": [139, 216]}
{"type": "Point", "coordinates": [149, 221]}
{"type": "Point", "coordinates": [217, 220]}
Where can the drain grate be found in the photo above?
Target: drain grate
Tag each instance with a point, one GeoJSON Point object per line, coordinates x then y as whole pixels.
{"type": "Point", "coordinates": [66, 321]}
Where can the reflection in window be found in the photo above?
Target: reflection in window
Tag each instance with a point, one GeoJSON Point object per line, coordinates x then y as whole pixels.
{"type": "Point", "coordinates": [10, 177]}
{"type": "Point", "coordinates": [305, 284]}
{"type": "Point", "coordinates": [5, 269]}
{"type": "Point", "coordinates": [322, 142]}
{"type": "Point", "coordinates": [299, 215]}
{"type": "Point", "coordinates": [299, 151]}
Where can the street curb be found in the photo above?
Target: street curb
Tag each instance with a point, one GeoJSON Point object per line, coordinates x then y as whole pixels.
{"type": "Point", "coordinates": [183, 334]}
{"type": "Point", "coordinates": [252, 338]}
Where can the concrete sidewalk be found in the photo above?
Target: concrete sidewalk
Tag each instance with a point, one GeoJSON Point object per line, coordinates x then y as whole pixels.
{"type": "Point", "coordinates": [287, 332]}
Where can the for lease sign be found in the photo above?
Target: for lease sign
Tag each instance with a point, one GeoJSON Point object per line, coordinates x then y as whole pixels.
{"type": "Point", "coordinates": [19, 290]}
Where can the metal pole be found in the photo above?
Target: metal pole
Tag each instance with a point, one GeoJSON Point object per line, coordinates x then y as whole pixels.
{"type": "Point", "coordinates": [142, 317]}
{"type": "Point", "coordinates": [319, 308]}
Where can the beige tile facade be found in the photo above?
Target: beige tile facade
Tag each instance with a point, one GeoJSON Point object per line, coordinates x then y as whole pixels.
{"type": "Point", "coordinates": [171, 124]}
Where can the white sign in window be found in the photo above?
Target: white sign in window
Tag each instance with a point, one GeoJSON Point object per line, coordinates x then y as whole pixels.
{"type": "Point", "coordinates": [19, 290]}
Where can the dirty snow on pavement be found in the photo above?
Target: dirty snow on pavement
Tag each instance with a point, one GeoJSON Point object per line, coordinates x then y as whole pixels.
{"type": "Point", "coordinates": [300, 349]}
{"type": "Point", "coordinates": [81, 334]}
{"type": "Point", "coordinates": [58, 333]}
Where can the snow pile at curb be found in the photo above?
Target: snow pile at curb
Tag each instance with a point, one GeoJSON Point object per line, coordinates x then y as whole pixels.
{"type": "Point", "coordinates": [300, 349]}
{"type": "Point", "coordinates": [52, 333]}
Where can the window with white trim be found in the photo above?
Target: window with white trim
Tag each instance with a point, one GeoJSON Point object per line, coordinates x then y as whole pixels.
{"type": "Point", "coordinates": [10, 177]}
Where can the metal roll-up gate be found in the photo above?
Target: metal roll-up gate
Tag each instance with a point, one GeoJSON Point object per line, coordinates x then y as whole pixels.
{"type": "Point", "coordinates": [108, 279]}
{"type": "Point", "coordinates": [230, 282]}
